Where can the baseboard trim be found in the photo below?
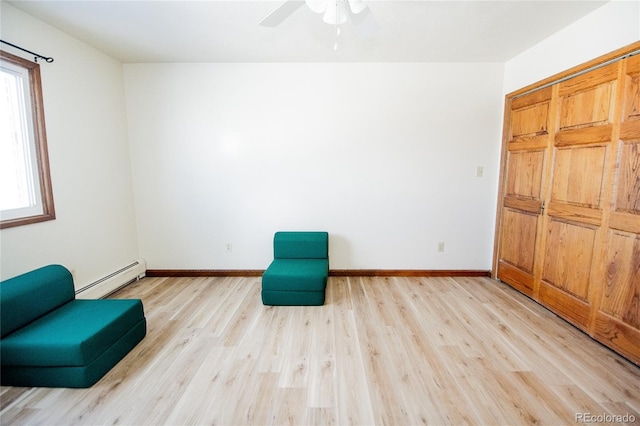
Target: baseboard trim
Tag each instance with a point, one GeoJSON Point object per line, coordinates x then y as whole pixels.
{"type": "Point", "coordinates": [409, 273]}
{"type": "Point", "coordinates": [205, 272]}
{"type": "Point", "coordinates": [332, 272]}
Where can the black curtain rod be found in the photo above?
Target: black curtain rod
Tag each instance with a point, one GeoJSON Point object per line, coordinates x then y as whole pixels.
{"type": "Point", "coordinates": [36, 56]}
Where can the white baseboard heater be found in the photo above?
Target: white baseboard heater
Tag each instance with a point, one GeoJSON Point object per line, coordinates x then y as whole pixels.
{"type": "Point", "coordinates": [114, 281]}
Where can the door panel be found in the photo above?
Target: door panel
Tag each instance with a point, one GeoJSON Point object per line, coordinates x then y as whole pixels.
{"type": "Point", "coordinates": [523, 193]}
{"type": "Point", "coordinates": [578, 174]}
{"type": "Point", "coordinates": [617, 319]}
{"type": "Point", "coordinates": [568, 257]}
{"type": "Point", "coordinates": [582, 146]}
{"type": "Point", "coordinates": [632, 90]}
{"type": "Point", "coordinates": [526, 173]}
{"type": "Point", "coordinates": [627, 199]}
{"type": "Point", "coordinates": [621, 297]}
{"type": "Point", "coordinates": [569, 307]}
{"type": "Point", "coordinates": [519, 230]}
{"type": "Point", "coordinates": [617, 322]}
{"type": "Point", "coordinates": [529, 114]}
{"type": "Point", "coordinates": [530, 121]}
{"type": "Point", "coordinates": [577, 108]}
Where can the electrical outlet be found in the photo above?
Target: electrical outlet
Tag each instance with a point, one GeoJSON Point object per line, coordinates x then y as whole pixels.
{"type": "Point", "coordinates": [441, 246]}
{"type": "Point", "coordinates": [229, 247]}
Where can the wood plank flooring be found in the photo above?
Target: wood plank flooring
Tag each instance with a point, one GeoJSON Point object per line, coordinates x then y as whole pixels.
{"type": "Point", "coordinates": [395, 351]}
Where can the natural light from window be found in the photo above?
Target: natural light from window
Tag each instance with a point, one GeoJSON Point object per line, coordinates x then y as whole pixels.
{"type": "Point", "coordinates": [18, 170]}
{"type": "Point", "coordinates": [23, 157]}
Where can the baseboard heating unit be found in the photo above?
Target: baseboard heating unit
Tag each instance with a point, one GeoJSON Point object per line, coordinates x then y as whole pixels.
{"type": "Point", "coordinates": [114, 281]}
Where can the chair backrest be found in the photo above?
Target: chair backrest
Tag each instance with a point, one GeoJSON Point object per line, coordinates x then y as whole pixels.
{"type": "Point", "coordinates": [29, 296]}
{"type": "Point", "coordinates": [301, 245]}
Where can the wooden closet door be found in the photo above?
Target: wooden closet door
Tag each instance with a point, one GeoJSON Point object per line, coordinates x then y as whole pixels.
{"type": "Point", "coordinates": [526, 163]}
{"type": "Point", "coordinates": [568, 233]}
{"type": "Point", "coordinates": [617, 319]}
{"type": "Point", "coordinates": [582, 150]}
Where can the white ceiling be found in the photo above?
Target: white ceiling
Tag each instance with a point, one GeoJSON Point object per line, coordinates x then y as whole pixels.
{"type": "Point", "coordinates": [228, 31]}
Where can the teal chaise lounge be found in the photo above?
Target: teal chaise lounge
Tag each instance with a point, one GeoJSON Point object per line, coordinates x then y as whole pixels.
{"type": "Point", "coordinates": [299, 271]}
{"type": "Point", "coordinates": [49, 338]}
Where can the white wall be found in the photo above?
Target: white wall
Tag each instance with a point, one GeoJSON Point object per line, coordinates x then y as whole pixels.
{"type": "Point", "coordinates": [382, 156]}
{"type": "Point", "coordinates": [94, 233]}
{"type": "Point", "coordinates": [610, 27]}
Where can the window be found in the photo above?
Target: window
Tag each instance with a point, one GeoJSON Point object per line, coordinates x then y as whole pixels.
{"type": "Point", "coordinates": [25, 184]}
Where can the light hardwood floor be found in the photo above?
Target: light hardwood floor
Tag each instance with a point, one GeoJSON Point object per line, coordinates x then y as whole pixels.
{"type": "Point", "coordinates": [395, 351]}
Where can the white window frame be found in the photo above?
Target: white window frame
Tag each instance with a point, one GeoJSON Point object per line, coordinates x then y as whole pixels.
{"type": "Point", "coordinates": [35, 162]}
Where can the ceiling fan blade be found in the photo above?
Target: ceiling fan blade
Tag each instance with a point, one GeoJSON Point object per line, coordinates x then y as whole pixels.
{"type": "Point", "coordinates": [281, 13]}
{"type": "Point", "coordinates": [364, 23]}
{"type": "Point", "coordinates": [318, 6]}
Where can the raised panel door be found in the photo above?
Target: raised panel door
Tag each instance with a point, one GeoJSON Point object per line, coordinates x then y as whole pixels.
{"type": "Point", "coordinates": [617, 320]}
{"type": "Point", "coordinates": [582, 149]}
{"type": "Point", "coordinates": [528, 141]}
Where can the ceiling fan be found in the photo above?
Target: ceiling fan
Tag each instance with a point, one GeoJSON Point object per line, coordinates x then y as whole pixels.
{"type": "Point", "coordinates": [334, 12]}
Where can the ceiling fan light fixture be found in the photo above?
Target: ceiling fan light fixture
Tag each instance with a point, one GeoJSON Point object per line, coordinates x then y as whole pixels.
{"type": "Point", "coordinates": [333, 10]}
{"type": "Point", "coordinates": [334, 14]}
